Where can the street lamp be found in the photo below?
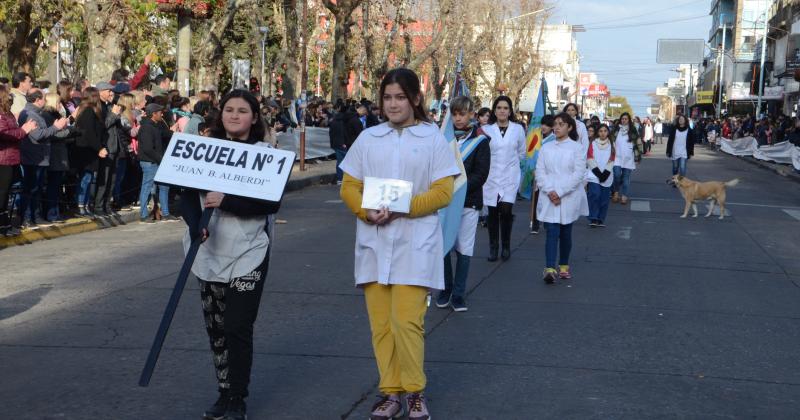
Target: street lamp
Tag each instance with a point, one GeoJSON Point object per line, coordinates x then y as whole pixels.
{"type": "Point", "coordinates": [320, 46]}
{"type": "Point", "coordinates": [263, 30]}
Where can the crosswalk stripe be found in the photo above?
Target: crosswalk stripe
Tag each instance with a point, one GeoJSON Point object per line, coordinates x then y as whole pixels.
{"type": "Point", "coordinates": [793, 213]}
{"type": "Point", "coordinates": [640, 206]}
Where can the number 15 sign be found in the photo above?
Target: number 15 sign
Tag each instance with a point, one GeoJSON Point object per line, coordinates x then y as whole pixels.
{"type": "Point", "coordinates": [391, 194]}
{"type": "Point", "coordinates": [210, 164]}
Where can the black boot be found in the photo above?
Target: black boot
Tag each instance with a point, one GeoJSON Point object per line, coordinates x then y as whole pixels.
{"type": "Point", "coordinates": [237, 409]}
{"type": "Point", "coordinates": [217, 411]}
{"type": "Point", "coordinates": [493, 225]}
{"type": "Point", "coordinates": [506, 221]}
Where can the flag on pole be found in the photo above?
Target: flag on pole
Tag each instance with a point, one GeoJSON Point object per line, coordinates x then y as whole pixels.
{"type": "Point", "coordinates": [533, 145]}
{"type": "Point", "coordinates": [450, 216]}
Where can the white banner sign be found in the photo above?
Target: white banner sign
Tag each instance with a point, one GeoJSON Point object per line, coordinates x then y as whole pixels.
{"type": "Point", "coordinates": [209, 164]}
{"type": "Point", "coordinates": [783, 152]}
{"type": "Point", "coordinates": [744, 146]}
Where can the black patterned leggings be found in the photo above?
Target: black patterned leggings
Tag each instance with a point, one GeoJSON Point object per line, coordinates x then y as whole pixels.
{"type": "Point", "coordinates": [230, 310]}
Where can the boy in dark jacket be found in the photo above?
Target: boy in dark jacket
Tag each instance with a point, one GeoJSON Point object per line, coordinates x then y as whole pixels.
{"type": "Point", "coordinates": [151, 150]}
{"type": "Point", "coordinates": [476, 155]}
{"type": "Point", "coordinates": [337, 130]}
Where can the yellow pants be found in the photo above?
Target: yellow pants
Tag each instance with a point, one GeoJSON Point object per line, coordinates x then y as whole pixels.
{"type": "Point", "coordinates": [396, 317]}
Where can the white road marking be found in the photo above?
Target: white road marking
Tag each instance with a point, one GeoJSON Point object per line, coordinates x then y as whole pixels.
{"type": "Point", "coordinates": [793, 213]}
{"type": "Point", "coordinates": [624, 233]}
{"type": "Point", "coordinates": [334, 202]}
{"type": "Point", "coordinates": [728, 203]}
{"type": "Point", "coordinates": [640, 205]}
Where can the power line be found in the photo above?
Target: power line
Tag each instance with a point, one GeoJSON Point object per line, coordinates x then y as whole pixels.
{"type": "Point", "coordinates": [601, 28]}
{"type": "Point", "coordinates": [649, 13]}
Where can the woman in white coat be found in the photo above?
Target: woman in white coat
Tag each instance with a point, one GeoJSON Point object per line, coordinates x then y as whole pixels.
{"type": "Point", "coordinates": [500, 190]}
{"type": "Point", "coordinates": [560, 172]}
{"type": "Point", "coordinates": [583, 133]}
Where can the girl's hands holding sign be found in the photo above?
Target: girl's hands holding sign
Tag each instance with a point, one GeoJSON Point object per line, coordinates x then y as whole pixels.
{"type": "Point", "coordinates": [213, 199]}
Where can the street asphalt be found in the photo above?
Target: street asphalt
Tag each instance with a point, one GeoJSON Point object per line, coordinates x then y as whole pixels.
{"type": "Point", "coordinates": [664, 318]}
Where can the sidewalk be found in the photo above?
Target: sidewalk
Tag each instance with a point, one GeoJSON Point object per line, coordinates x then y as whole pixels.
{"type": "Point", "coordinates": [322, 172]}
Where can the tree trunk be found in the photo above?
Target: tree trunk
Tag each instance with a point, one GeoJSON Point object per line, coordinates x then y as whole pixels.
{"type": "Point", "coordinates": [105, 28]}
{"type": "Point", "coordinates": [291, 87]}
{"type": "Point", "coordinates": [22, 49]}
{"type": "Point", "coordinates": [184, 54]}
{"type": "Point", "coordinates": [342, 10]}
{"type": "Point", "coordinates": [210, 52]}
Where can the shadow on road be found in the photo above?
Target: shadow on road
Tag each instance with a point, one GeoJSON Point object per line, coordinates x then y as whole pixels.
{"type": "Point", "coordinates": [22, 301]}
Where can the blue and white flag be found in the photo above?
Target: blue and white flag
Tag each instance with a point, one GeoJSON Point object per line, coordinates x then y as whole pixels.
{"type": "Point", "coordinates": [450, 216]}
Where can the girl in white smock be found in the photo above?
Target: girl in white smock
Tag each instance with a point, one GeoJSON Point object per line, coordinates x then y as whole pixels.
{"type": "Point", "coordinates": [400, 257]}
{"type": "Point", "coordinates": [560, 172]}
{"type": "Point", "coordinates": [626, 148]}
{"type": "Point", "coordinates": [583, 132]}
{"type": "Point", "coordinates": [500, 190]}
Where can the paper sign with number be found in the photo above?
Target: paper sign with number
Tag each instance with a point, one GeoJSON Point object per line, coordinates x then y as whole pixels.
{"type": "Point", "coordinates": [392, 194]}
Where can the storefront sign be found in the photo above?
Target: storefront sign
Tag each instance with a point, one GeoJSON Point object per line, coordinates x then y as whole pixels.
{"type": "Point", "coordinates": [705, 97]}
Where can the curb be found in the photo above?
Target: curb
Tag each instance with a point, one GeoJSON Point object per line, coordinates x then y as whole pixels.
{"type": "Point", "coordinates": [81, 225]}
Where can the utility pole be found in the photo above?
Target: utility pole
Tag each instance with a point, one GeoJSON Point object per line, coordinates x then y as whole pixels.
{"type": "Point", "coordinates": [763, 57]}
{"type": "Point", "coordinates": [303, 77]}
{"type": "Point", "coordinates": [263, 30]}
{"type": "Point", "coordinates": [722, 64]}
{"type": "Point", "coordinates": [184, 53]}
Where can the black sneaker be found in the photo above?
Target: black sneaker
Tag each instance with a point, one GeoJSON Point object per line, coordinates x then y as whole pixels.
{"type": "Point", "coordinates": [217, 411]}
{"type": "Point", "coordinates": [600, 224]}
{"type": "Point", "coordinates": [534, 228]}
{"type": "Point", "coordinates": [236, 410]}
{"type": "Point", "coordinates": [443, 300]}
{"type": "Point", "coordinates": [169, 218]}
{"type": "Point", "coordinates": [459, 305]}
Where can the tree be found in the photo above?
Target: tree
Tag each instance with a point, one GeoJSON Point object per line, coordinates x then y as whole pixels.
{"type": "Point", "coordinates": [623, 106]}
{"type": "Point", "coordinates": [24, 26]}
{"type": "Point", "coordinates": [342, 11]}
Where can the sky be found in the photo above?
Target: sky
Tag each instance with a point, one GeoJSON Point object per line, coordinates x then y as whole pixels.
{"type": "Point", "coordinates": [624, 56]}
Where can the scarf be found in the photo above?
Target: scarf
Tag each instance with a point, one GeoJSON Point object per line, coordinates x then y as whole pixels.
{"type": "Point", "coordinates": [462, 134]}
{"type": "Point", "coordinates": [178, 111]}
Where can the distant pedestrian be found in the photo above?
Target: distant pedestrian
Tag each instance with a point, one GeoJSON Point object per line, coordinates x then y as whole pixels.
{"type": "Point", "coordinates": [647, 137]}
{"type": "Point", "coordinates": [399, 257]}
{"type": "Point", "coordinates": [583, 134]}
{"type": "Point", "coordinates": [658, 130]}
{"type": "Point", "coordinates": [600, 176]}
{"type": "Point", "coordinates": [627, 153]}
{"type": "Point", "coordinates": [560, 173]}
{"type": "Point", "coordinates": [680, 146]}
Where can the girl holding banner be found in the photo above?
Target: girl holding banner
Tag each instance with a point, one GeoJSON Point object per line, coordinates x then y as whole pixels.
{"type": "Point", "coordinates": [232, 262]}
{"type": "Point", "coordinates": [500, 190]}
{"type": "Point", "coordinates": [399, 257]}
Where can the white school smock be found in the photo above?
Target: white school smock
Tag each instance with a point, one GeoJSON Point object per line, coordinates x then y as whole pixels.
{"type": "Point", "coordinates": [624, 151]}
{"type": "Point", "coordinates": [504, 171]}
{"type": "Point", "coordinates": [679, 147]}
{"type": "Point", "coordinates": [602, 156]}
{"type": "Point", "coordinates": [561, 168]}
{"type": "Point", "coordinates": [583, 135]}
{"type": "Point", "coordinates": [406, 251]}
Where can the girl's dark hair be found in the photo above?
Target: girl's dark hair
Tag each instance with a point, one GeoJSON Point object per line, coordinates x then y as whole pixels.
{"type": "Point", "coordinates": [257, 131]}
{"type": "Point", "coordinates": [677, 121]}
{"type": "Point", "coordinates": [573, 126]}
{"type": "Point", "coordinates": [511, 116]}
{"type": "Point", "coordinates": [483, 111]}
{"type": "Point", "coordinates": [630, 124]}
{"type": "Point", "coordinates": [571, 104]}
{"type": "Point", "coordinates": [603, 126]}
{"type": "Point", "coordinates": [178, 102]}
{"type": "Point", "coordinates": [201, 108]}
{"type": "Point", "coordinates": [548, 120]}
{"type": "Point", "coordinates": [409, 83]}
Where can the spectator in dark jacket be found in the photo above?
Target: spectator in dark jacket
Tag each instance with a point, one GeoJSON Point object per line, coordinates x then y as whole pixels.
{"type": "Point", "coordinates": [35, 155]}
{"type": "Point", "coordinates": [59, 162]}
{"type": "Point", "coordinates": [338, 135]}
{"type": "Point", "coordinates": [89, 146]}
{"type": "Point", "coordinates": [356, 123]}
{"type": "Point", "coordinates": [151, 151]}
{"type": "Point", "coordinates": [11, 134]}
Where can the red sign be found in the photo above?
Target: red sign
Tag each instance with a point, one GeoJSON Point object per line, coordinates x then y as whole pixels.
{"type": "Point", "coordinates": [598, 90]}
{"type": "Point", "coordinates": [586, 79]}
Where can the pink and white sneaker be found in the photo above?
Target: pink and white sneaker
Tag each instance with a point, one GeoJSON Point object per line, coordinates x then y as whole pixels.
{"type": "Point", "coordinates": [417, 409]}
{"type": "Point", "coordinates": [388, 407]}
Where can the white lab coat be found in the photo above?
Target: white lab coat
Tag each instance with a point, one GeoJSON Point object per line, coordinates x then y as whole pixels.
{"type": "Point", "coordinates": [623, 149]}
{"type": "Point", "coordinates": [583, 135]}
{"type": "Point", "coordinates": [561, 168]}
{"type": "Point", "coordinates": [406, 251]}
{"type": "Point", "coordinates": [504, 172]}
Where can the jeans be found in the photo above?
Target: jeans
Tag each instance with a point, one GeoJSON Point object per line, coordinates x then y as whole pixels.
{"type": "Point", "coordinates": [122, 169]}
{"type": "Point", "coordinates": [340, 154]}
{"type": "Point", "coordinates": [598, 196]}
{"type": "Point", "coordinates": [33, 178]}
{"type": "Point", "coordinates": [6, 180]}
{"type": "Point", "coordinates": [622, 180]}
{"type": "Point", "coordinates": [559, 242]}
{"type": "Point", "coordinates": [54, 181]}
{"type": "Point", "coordinates": [84, 194]}
{"type": "Point", "coordinates": [679, 166]}
{"type": "Point", "coordinates": [148, 186]}
{"type": "Point", "coordinates": [456, 285]}
{"type": "Point", "coordinates": [105, 183]}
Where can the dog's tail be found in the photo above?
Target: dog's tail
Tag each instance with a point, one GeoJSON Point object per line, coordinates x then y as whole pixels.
{"type": "Point", "coordinates": [732, 183]}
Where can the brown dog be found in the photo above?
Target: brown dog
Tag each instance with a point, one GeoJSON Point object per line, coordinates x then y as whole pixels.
{"type": "Point", "coordinates": [693, 191]}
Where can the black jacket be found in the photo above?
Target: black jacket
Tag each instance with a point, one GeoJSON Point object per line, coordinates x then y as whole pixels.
{"type": "Point", "coordinates": [83, 155]}
{"type": "Point", "coordinates": [689, 142]}
{"type": "Point", "coordinates": [352, 128]}
{"type": "Point", "coordinates": [337, 131]}
{"type": "Point", "coordinates": [151, 143]}
{"type": "Point", "coordinates": [477, 168]}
